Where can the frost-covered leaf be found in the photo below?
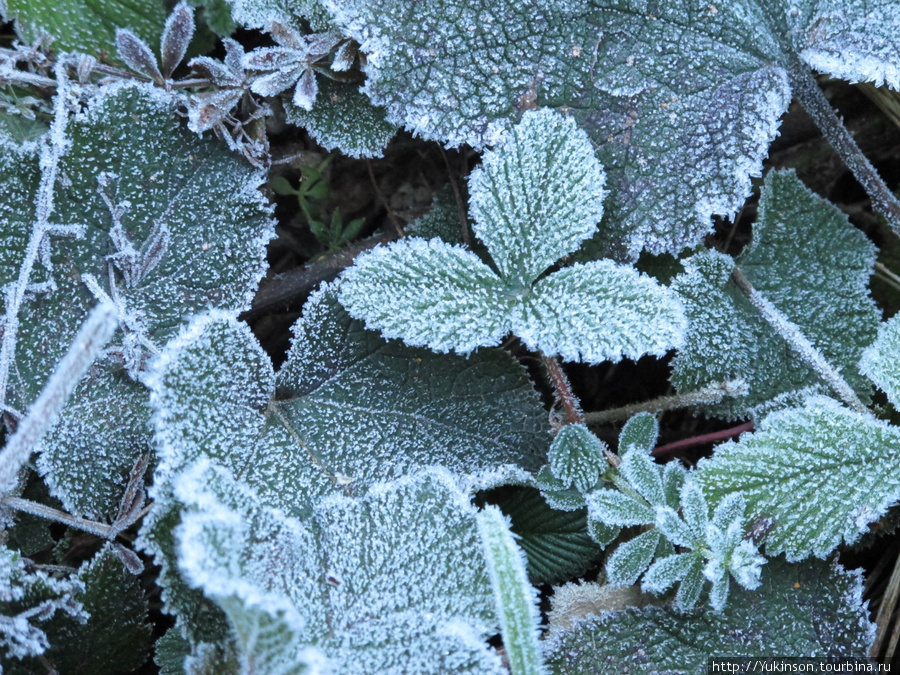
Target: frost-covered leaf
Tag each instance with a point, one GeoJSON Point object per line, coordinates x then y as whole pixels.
{"type": "Point", "coordinates": [137, 55]}
{"type": "Point", "coordinates": [632, 558]}
{"type": "Point", "coordinates": [644, 475]}
{"type": "Point", "coordinates": [176, 37]}
{"type": "Point", "coordinates": [116, 637]}
{"type": "Point", "coordinates": [599, 311]}
{"type": "Point", "coordinates": [822, 472]}
{"type": "Point", "coordinates": [558, 495]}
{"type": "Point", "coordinates": [27, 600]}
{"type": "Point", "coordinates": [639, 434]}
{"type": "Point", "coordinates": [350, 408]}
{"type": "Point", "coordinates": [262, 13]}
{"type": "Point", "coordinates": [443, 221]}
{"type": "Point", "coordinates": [346, 586]}
{"type": "Point", "coordinates": [814, 266]}
{"type": "Point", "coordinates": [880, 362]}
{"type": "Point", "coordinates": [536, 197]}
{"type": "Point", "coordinates": [556, 542]}
{"type": "Point", "coordinates": [343, 119]}
{"type": "Point", "coordinates": [515, 599]}
{"type": "Point", "coordinates": [87, 26]}
{"type": "Point", "coordinates": [682, 98]}
{"type": "Point", "coordinates": [429, 294]}
{"type": "Point", "coordinates": [614, 508]}
{"type": "Point", "coordinates": [812, 609]}
{"type": "Point", "coordinates": [577, 457]}
{"type": "Point", "coordinates": [174, 224]}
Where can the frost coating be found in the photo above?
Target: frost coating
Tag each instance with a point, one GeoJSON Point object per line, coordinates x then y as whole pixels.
{"type": "Point", "coordinates": [821, 286]}
{"type": "Point", "coordinates": [682, 99]}
{"type": "Point", "coordinates": [880, 362]}
{"type": "Point", "coordinates": [810, 608]}
{"type": "Point", "coordinates": [537, 196]}
{"type": "Point", "coordinates": [344, 587]}
{"type": "Point", "coordinates": [577, 457]}
{"type": "Point", "coordinates": [821, 471]}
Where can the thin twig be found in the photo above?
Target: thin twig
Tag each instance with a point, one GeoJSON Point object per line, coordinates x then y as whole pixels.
{"type": "Point", "coordinates": [43, 511]}
{"type": "Point", "coordinates": [563, 390]}
{"type": "Point", "coordinates": [813, 100]}
{"type": "Point", "coordinates": [798, 342]}
{"type": "Point", "coordinates": [460, 208]}
{"type": "Point", "coordinates": [393, 216]}
{"type": "Point", "coordinates": [886, 610]}
{"type": "Point", "coordinates": [708, 395]}
{"type": "Point", "coordinates": [703, 439]}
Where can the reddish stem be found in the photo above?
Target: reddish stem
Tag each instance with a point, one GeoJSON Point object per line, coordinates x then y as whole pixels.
{"type": "Point", "coordinates": [567, 399]}
{"type": "Point", "coordinates": [702, 439]}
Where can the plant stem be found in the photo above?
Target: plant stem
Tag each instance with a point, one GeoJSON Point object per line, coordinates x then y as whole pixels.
{"type": "Point", "coordinates": [813, 100]}
{"type": "Point", "coordinates": [703, 439]}
{"type": "Point", "coordinates": [798, 342]}
{"type": "Point", "coordinates": [563, 389]}
{"type": "Point", "coordinates": [35, 509]}
{"type": "Point", "coordinates": [708, 395]}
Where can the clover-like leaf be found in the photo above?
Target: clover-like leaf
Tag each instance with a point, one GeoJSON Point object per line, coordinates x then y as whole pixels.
{"type": "Point", "coordinates": [682, 98]}
{"type": "Point", "coordinates": [880, 362]}
{"type": "Point", "coordinates": [538, 196]}
{"type": "Point", "coordinates": [822, 472]}
{"type": "Point", "coordinates": [813, 608]}
{"type": "Point", "coordinates": [821, 286]}
{"type": "Point", "coordinates": [632, 558]}
{"type": "Point", "coordinates": [619, 510]}
{"type": "Point", "coordinates": [639, 433]}
{"type": "Point", "coordinates": [344, 587]}
{"type": "Point", "coordinates": [442, 296]}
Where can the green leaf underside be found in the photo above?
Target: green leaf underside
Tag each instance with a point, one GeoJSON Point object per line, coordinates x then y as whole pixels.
{"type": "Point", "coordinates": [822, 472]}
{"type": "Point", "coordinates": [343, 119]}
{"type": "Point", "coordinates": [218, 229]}
{"type": "Point", "coordinates": [514, 597]}
{"type": "Point", "coordinates": [812, 608]}
{"type": "Point", "coordinates": [347, 586]}
{"type": "Point", "coordinates": [682, 98]}
{"type": "Point", "coordinates": [814, 266]}
{"type": "Point", "coordinates": [86, 25]}
{"type": "Point", "coordinates": [555, 542]}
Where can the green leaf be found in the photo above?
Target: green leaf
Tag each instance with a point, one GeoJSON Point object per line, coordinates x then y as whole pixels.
{"type": "Point", "coordinates": [537, 197]}
{"type": "Point", "coordinates": [343, 119]}
{"type": "Point", "coordinates": [87, 26]}
{"type": "Point", "coordinates": [116, 638]}
{"type": "Point", "coordinates": [822, 472]}
{"type": "Point", "coordinates": [681, 98]}
{"type": "Point", "coordinates": [814, 266]}
{"type": "Point", "coordinates": [599, 311]}
{"type": "Point", "coordinates": [616, 509]}
{"type": "Point", "coordinates": [192, 234]}
{"type": "Point", "coordinates": [814, 609]}
{"type": "Point", "coordinates": [632, 558]}
{"type": "Point", "coordinates": [429, 294]}
{"type": "Point", "coordinates": [261, 14]}
{"type": "Point", "coordinates": [880, 362]}
{"type": "Point", "coordinates": [346, 584]}
{"type": "Point", "coordinates": [639, 434]}
{"type": "Point", "coordinates": [515, 598]}
{"type": "Point", "coordinates": [577, 457]}
{"type": "Point", "coordinates": [555, 542]}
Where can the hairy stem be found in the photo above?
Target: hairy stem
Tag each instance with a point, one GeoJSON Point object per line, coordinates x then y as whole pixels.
{"type": "Point", "coordinates": [92, 337]}
{"type": "Point", "coordinates": [708, 395]}
{"type": "Point", "coordinates": [810, 96]}
{"type": "Point", "coordinates": [563, 390]}
{"type": "Point", "coordinates": [42, 511]}
{"type": "Point", "coordinates": [798, 342]}
{"type": "Point", "coordinates": [703, 439]}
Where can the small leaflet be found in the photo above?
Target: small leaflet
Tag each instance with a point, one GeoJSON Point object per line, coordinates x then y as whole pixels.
{"type": "Point", "coordinates": [822, 472]}
{"type": "Point", "coordinates": [577, 457]}
{"type": "Point", "coordinates": [821, 286]}
{"type": "Point", "coordinates": [681, 142]}
{"type": "Point", "coordinates": [813, 608]}
{"type": "Point", "coordinates": [880, 362]}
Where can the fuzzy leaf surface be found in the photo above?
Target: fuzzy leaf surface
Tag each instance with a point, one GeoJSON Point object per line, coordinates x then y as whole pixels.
{"type": "Point", "coordinates": [682, 98]}
{"type": "Point", "coordinates": [166, 180]}
{"type": "Point", "coordinates": [822, 472]}
{"type": "Point", "coordinates": [87, 26]}
{"type": "Point", "coordinates": [814, 266]}
{"type": "Point", "coordinates": [577, 457]}
{"type": "Point", "coordinates": [813, 608]}
{"type": "Point", "coordinates": [344, 587]}
{"type": "Point", "coordinates": [880, 361]}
